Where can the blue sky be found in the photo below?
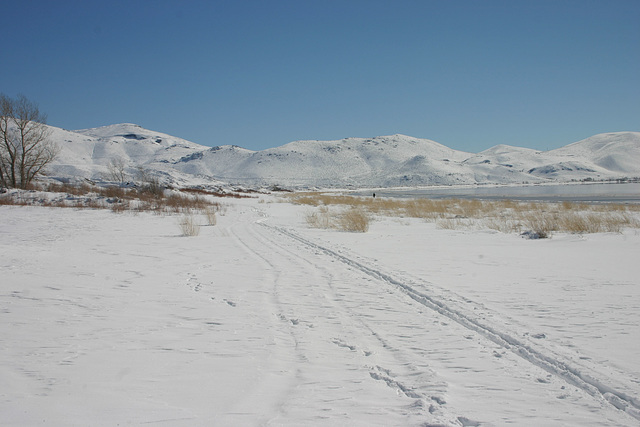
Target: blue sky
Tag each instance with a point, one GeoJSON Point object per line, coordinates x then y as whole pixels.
{"type": "Point", "coordinates": [259, 74]}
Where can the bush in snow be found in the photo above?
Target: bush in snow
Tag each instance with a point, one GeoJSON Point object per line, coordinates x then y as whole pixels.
{"type": "Point", "coordinates": [354, 219]}
{"type": "Point", "coordinates": [210, 215]}
{"type": "Point", "coordinates": [189, 226]}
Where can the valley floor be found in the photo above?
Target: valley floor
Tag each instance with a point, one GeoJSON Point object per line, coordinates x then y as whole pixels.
{"type": "Point", "coordinates": [115, 319]}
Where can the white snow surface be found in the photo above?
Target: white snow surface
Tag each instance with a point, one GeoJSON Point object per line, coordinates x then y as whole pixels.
{"type": "Point", "coordinates": [385, 161]}
{"type": "Point", "coordinates": [115, 319]}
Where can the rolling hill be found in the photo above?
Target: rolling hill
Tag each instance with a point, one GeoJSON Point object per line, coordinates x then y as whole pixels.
{"type": "Point", "coordinates": [384, 161]}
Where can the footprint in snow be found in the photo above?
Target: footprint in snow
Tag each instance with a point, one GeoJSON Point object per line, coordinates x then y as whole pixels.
{"type": "Point", "coordinates": [466, 422]}
{"type": "Point", "coordinates": [343, 344]}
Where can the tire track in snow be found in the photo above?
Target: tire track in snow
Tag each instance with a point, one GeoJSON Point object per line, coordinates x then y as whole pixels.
{"type": "Point", "coordinates": [549, 362]}
{"type": "Point", "coordinates": [357, 336]}
{"type": "Point", "coordinates": [280, 389]}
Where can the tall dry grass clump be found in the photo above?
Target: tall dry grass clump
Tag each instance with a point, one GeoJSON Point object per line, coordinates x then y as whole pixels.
{"type": "Point", "coordinates": [452, 223]}
{"type": "Point", "coordinates": [423, 208]}
{"type": "Point", "coordinates": [211, 215]}
{"type": "Point", "coordinates": [502, 223]}
{"type": "Point", "coordinates": [177, 202]}
{"type": "Point", "coordinates": [320, 218]}
{"type": "Point", "coordinates": [354, 219]}
{"type": "Point", "coordinates": [540, 223]}
{"type": "Point", "coordinates": [576, 218]}
{"type": "Point", "coordinates": [596, 222]}
{"type": "Point", "coordinates": [188, 225]}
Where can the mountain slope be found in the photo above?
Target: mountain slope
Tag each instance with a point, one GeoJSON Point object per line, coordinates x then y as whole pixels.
{"type": "Point", "coordinates": [87, 153]}
{"type": "Point", "coordinates": [617, 151]}
{"type": "Point", "coordinates": [352, 161]}
{"type": "Point", "coordinates": [384, 161]}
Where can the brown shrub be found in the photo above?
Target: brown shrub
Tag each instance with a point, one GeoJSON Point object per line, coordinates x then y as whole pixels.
{"type": "Point", "coordinates": [355, 219]}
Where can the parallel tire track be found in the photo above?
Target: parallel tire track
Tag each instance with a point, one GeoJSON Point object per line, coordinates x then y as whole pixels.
{"type": "Point", "coordinates": [549, 363]}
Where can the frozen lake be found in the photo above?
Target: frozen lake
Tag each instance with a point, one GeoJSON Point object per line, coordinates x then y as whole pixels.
{"type": "Point", "coordinates": [600, 192]}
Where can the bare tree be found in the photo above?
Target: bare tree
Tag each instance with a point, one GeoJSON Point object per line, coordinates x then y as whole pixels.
{"type": "Point", "coordinates": [116, 170]}
{"type": "Point", "coordinates": [25, 147]}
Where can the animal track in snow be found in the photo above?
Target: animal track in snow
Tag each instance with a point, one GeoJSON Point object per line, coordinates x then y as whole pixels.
{"type": "Point", "coordinates": [381, 374]}
{"type": "Point", "coordinates": [193, 283]}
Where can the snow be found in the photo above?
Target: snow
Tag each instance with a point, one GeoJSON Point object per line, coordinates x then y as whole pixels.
{"type": "Point", "coordinates": [86, 154]}
{"type": "Point", "coordinates": [384, 161]}
{"type": "Point", "coordinates": [115, 319]}
{"type": "Point", "coordinates": [616, 151]}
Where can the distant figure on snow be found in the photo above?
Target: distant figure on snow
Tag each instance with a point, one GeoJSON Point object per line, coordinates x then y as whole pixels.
{"type": "Point", "coordinates": [374, 195]}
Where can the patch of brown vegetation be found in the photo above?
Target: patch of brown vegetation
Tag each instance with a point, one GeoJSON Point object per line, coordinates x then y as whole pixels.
{"type": "Point", "coordinates": [542, 218]}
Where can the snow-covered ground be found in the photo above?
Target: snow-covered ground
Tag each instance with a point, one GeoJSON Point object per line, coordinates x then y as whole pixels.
{"type": "Point", "coordinates": [115, 319]}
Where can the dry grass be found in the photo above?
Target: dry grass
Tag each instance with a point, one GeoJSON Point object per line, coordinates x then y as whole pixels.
{"type": "Point", "coordinates": [353, 219]}
{"type": "Point", "coordinates": [188, 226]}
{"type": "Point", "coordinates": [506, 216]}
{"type": "Point", "coordinates": [210, 215]}
{"type": "Point", "coordinates": [320, 218]}
{"type": "Point", "coordinates": [118, 199]}
{"type": "Point", "coordinates": [451, 223]}
{"type": "Point", "coordinates": [237, 194]}
{"type": "Point", "coordinates": [597, 222]}
{"type": "Point", "coordinates": [540, 223]}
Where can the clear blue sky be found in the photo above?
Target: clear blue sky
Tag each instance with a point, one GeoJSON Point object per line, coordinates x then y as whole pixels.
{"type": "Point", "coordinates": [262, 73]}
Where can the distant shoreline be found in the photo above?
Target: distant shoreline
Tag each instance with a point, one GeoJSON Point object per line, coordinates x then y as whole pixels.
{"type": "Point", "coordinates": [588, 192]}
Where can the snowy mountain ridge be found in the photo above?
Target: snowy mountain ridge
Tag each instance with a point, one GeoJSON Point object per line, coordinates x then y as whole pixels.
{"type": "Point", "coordinates": [383, 161]}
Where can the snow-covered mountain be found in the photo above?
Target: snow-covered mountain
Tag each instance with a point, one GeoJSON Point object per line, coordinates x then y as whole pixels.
{"type": "Point", "coordinates": [87, 153]}
{"type": "Point", "coordinates": [384, 161]}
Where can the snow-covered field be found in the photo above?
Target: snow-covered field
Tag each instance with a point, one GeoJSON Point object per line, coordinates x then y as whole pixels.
{"type": "Point", "coordinates": [115, 319]}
